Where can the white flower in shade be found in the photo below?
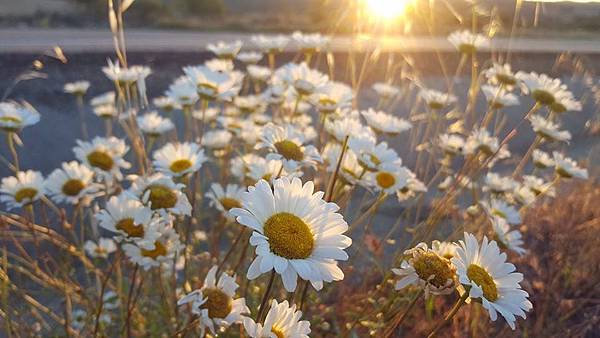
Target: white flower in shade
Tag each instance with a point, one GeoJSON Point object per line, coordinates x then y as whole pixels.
{"type": "Point", "coordinates": [523, 195]}
{"type": "Point", "coordinates": [129, 218]}
{"type": "Point", "coordinates": [220, 65]}
{"type": "Point", "coordinates": [498, 98]}
{"type": "Point", "coordinates": [116, 73]}
{"type": "Point", "coordinates": [240, 164]}
{"type": "Point", "coordinates": [179, 159]}
{"type": "Point", "coordinates": [212, 85]}
{"type": "Point", "coordinates": [72, 183]}
{"type": "Point", "coordinates": [538, 186]}
{"type": "Point", "coordinates": [225, 50]}
{"type": "Point", "coordinates": [567, 168]}
{"type": "Point", "coordinates": [385, 91]}
{"type": "Point", "coordinates": [542, 88]}
{"type": "Point", "coordinates": [332, 96]}
{"type": "Point", "coordinates": [259, 73]}
{"type": "Point", "coordinates": [16, 116]}
{"type": "Point", "coordinates": [348, 127]}
{"type": "Point", "coordinates": [542, 159]}
{"type": "Point", "coordinates": [214, 302]}
{"type": "Point", "coordinates": [165, 103]}
{"type": "Point", "coordinates": [250, 133]}
{"type": "Point", "coordinates": [282, 320]}
{"type": "Point", "coordinates": [250, 104]}
{"type": "Point", "coordinates": [501, 75]}
{"type": "Point", "coordinates": [302, 78]}
{"type": "Point", "coordinates": [225, 199]}
{"type": "Point", "coordinates": [564, 101]}
{"type": "Point", "coordinates": [437, 100]}
{"type": "Point", "coordinates": [23, 189]}
{"type": "Point", "coordinates": [467, 42]}
{"type": "Point", "coordinates": [384, 123]}
{"type": "Point", "coordinates": [216, 139]}
{"type": "Point", "coordinates": [107, 98]}
{"type": "Point", "coordinates": [499, 184]}
{"type": "Point", "coordinates": [506, 238]}
{"type": "Point", "coordinates": [249, 58]}
{"type": "Point", "coordinates": [500, 208]}
{"type": "Point", "coordinates": [77, 88]}
{"type": "Point", "coordinates": [444, 249]}
{"type": "Point", "coordinates": [426, 269]}
{"type": "Point", "coordinates": [371, 155]}
{"type": "Point", "coordinates": [106, 111]}
{"type": "Point", "coordinates": [483, 270]}
{"type": "Point", "coordinates": [102, 249]}
{"type": "Point", "coordinates": [269, 170]}
{"type": "Point", "coordinates": [388, 178]}
{"type": "Point", "coordinates": [161, 252]}
{"type": "Point", "coordinates": [183, 92]}
{"type": "Point", "coordinates": [104, 156]}
{"type": "Point", "coordinates": [270, 44]}
{"type": "Point", "coordinates": [452, 144]}
{"type": "Point", "coordinates": [548, 129]}
{"type": "Point", "coordinates": [287, 144]}
{"type": "Point", "coordinates": [310, 43]}
{"type": "Point", "coordinates": [160, 193]}
{"type": "Point", "coordinates": [207, 115]}
{"type": "Point", "coordinates": [350, 170]}
{"type": "Point", "coordinates": [296, 232]}
{"type": "Point", "coordinates": [481, 140]}
{"type": "Point", "coordinates": [231, 123]}
{"type": "Point", "coordinates": [276, 94]}
{"type": "Point", "coordinates": [413, 187]}
{"type": "Point", "coordinates": [154, 125]}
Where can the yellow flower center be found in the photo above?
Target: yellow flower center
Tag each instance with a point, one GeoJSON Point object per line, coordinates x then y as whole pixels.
{"type": "Point", "coordinates": [229, 203]}
{"type": "Point", "coordinates": [130, 228]}
{"type": "Point", "coordinates": [159, 250]}
{"type": "Point", "coordinates": [277, 332]}
{"type": "Point", "coordinates": [180, 165]}
{"type": "Point", "coordinates": [467, 48]}
{"type": "Point", "coordinates": [218, 303]}
{"type": "Point", "coordinates": [558, 107]}
{"type": "Point", "coordinates": [100, 159]}
{"type": "Point", "coordinates": [436, 105]}
{"type": "Point", "coordinates": [385, 179]}
{"type": "Point", "coordinates": [25, 194]}
{"type": "Point", "coordinates": [543, 97]}
{"type": "Point", "coordinates": [11, 119]}
{"type": "Point", "coordinates": [289, 236]}
{"type": "Point", "coordinates": [429, 264]}
{"type": "Point", "coordinates": [207, 91]}
{"type": "Point", "coordinates": [161, 197]}
{"type": "Point", "coordinates": [72, 187]}
{"type": "Point", "coordinates": [289, 150]}
{"type": "Point", "coordinates": [562, 172]}
{"type": "Point", "coordinates": [482, 278]}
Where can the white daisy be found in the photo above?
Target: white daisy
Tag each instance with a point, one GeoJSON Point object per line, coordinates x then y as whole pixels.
{"type": "Point", "coordinates": [212, 85]}
{"type": "Point", "coordinates": [548, 129]}
{"type": "Point", "coordinates": [72, 183]}
{"type": "Point", "coordinates": [384, 123]}
{"type": "Point", "coordinates": [160, 193]}
{"type": "Point", "coordinates": [23, 189]}
{"type": "Point", "coordinates": [452, 144]}
{"type": "Point", "coordinates": [207, 115]}
{"type": "Point", "coordinates": [16, 116]}
{"type": "Point", "coordinates": [388, 178]}
{"type": "Point", "coordinates": [78, 88]}
{"type": "Point", "coordinates": [127, 217]}
{"type": "Point", "coordinates": [107, 98]}
{"type": "Point", "coordinates": [216, 139]}
{"type": "Point", "coordinates": [165, 103]}
{"type": "Point", "coordinates": [310, 43]}
{"type": "Point", "coordinates": [214, 302]}
{"type": "Point", "coordinates": [288, 144]}
{"type": "Point", "coordinates": [259, 73]}
{"type": "Point", "coordinates": [348, 127]}
{"type": "Point", "coordinates": [542, 88]}
{"type": "Point", "coordinates": [501, 75]}
{"type": "Point", "coordinates": [179, 159]}
{"type": "Point", "coordinates": [481, 140]}
{"type": "Point", "coordinates": [437, 100]}
{"type": "Point", "coordinates": [444, 249]}
{"type": "Point", "coordinates": [467, 42]}
{"type": "Point", "coordinates": [385, 91]}
{"type": "Point", "coordinates": [542, 159]}
{"type": "Point", "coordinates": [538, 186]}
{"type": "Point", "coordinates": [225, 50]}
{"type": "Point", "coordinates": [499, 184]}
{"type": "Point", "coordinates": [295, 232]}
{"type": "Point", "coordinates": [116, 73]}
{"type": "Point", "coordinates": [104, 156]}
{"type": "Point", "coordinates": [350, 170]}
{"type": "Point", "coordinates": [427, 269]}
{"type": "Point", "coordinates": [332, 96]}
{"type": "Point", "coordinates": [281, 321]}
{"type": "Point", "coordinates": [500, 208]}
{"type": "Point", "coordinates": [183, 92]}
{"type": "Point", "coordinates": [499, 98]}
{"type": "Point", "coordinates": [161, 252]}
{"type": "Point", "coordinates": [270, 44]}
{"type": "Point", "coordinates": [371, 155]}
{"type": "Point", "coordinates": [220, 65]}
{"type": "Point", "coordinates": [225, 199]}
{"type": "Point", "coordinates": [567, 168]}
{"type": "Point", "coordinates": [506, 238]}
{"type": "Point", "coordinates": [250, 104]}
{"type": "Point", "coordinates": [106, 111]}
{"type": "Point", "coordinates": [249, 58]}
{"type": "Point", "coordinates": [302, 78]}
{"type": "Point", "coordinates": [154, 125]}
{"type": "Point", "coordinates": [269, 170]}
{"type": "Point", "coordinates": [413, 187]}
{"type": "Point", "coordinates": [102, 249]}
{"type": "Point", "coordinates": [483, 270]}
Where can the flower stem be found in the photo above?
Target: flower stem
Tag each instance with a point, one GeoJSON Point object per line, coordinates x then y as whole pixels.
{"type": "Point", "coordinates": [13, 150]}
{"type": "Point", "coordinates": [450, 315]}
{"type": "Point", "coordinates": [263, 303]}
{"type": "Point", "coordinates": [329, 194]}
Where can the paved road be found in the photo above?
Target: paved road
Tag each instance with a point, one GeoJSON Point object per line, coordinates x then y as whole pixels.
{"type": "Point", "coordinates": [89, 40]}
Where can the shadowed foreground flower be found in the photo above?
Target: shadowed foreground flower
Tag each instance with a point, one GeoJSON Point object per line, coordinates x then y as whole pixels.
{"type": "Point", "coordinates": [72, 183]}
{"type": "Point", "coordinates": [214, 302]}
{"type": "Point", "coordinates": [295, 232]}
{"type": "Point", "coordinates": [486, 275]}
{"type": "Point", "coordinates": [127, 217]}
{"type": "Point", "coordinates": [179, 159]}
{"type": "Point", "coordinates": [23, 189]}
{"type": "Point", "coordinates": [282, 321]}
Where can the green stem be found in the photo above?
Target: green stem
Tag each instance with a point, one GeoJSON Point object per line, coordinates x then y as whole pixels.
{"type": "Point", "coordinates": [13, 150]}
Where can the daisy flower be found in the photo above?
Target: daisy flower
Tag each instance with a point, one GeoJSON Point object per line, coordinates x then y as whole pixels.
{"type": "Point", "coordinates": [269, 170]}
{"type": "Point", "coordinates": [258, 73]}
{"type": "Point", "coordinates": [481, 140]}
{"type": "Point", "coordinates": [225, 199]}
{"type": "Point", "coordinates": [287, 144]}
{"type": "Point", "coordinates": [23, 189]}
{"type": "Point", "coordinates": [249, 104]}
{"type": "Point", "coordinates": [183, 92]}
{"type": "Point", "coordinates": [451, 144]}
{"type": "Point", "coordinates": [310, 43]}
{"type": "Point", "coordinates": [214, 303]}
{"type": "Point", "coordinates": [270, 44]}
{"type": "Point", "coordinates": [127, 217]}
{"type": "Point", "coordinates": [161, 252]}
{"type": "Point", "coordinates": [548, 129]}
{"type": "Point", "coordinates": [115, 73]}
{"type": "Point", "coordinates": [225, 50]}
{"type": "Point", "coordinates": [437, 100]}
{"type": "Point", "coordinates": [350, 171]}
{"type": "Point", "coordinates": [240, 164]}
{"type": "Point", "coordinates": [467, 42]}
{"type": "Point", "coordinates": [107, 98]}
{"type": "Point", "coordinates": [501, 75]}
{"type": "Point", "coordinates": [165, 103]}
{"type": "Point", "coordinates": [538, 186]}
{"type": "Point", "coordinates": [295, 232]}
{"type": "Point", "coordinates": [385, 91]}
{"type": "Point", "coordinates": [371, 155]}
{"type": "Point", "coordinates": [207, 115]}
{"type": "Point", "coordinates": [179, 159]}
{"type": "Point", "coordinates": [282, 320]}
{"type": "Point", "coordinates": [216, 139]}
{"type": "Point", "coordinates": [542, 88]}
{"type": "Point", "coordinates": [249, 58]}
{"type": "Point", "coordinates": [567, 168]}
{"type": "Point", "coordinates": [349, 127]}
{"type": "Point", "coordinates": [332, 96]}
{"type": "Point", "coordinates": [444, 249]}
{"type": "Point", "coordinates": [300, 77]}
{"type": "Point", "coordinates": [564, 101]}
{"type": "Point", "coordinates": [78, 88]}
{"type": "Point", "coordinates": [384, 123]}
{"type": "Point", "coordinates": [499, 98]}
{"type": "Point", "coordinates": [72, 183]}
{"type": "Point", "coordinates": [102, 249]}
{"type": "Point", "coordinates": [212, 85]}
{"type": "Point", "coordinates": [426, 269]}
{"type": "Point", "coordinates": [499, 208]}
{"type": "Point", "coordinates": [388, 178]}
{"type": "Point", "coordinates": [487, 276]}
{"type": "Point", "coordinates": [106, 111]}
{"type": "Point", "coordinates": [104, 156]}
{"type": "Point", "coordinates": [154, 125]}
{"type": "Point", "coordinates": [220, 65]}
{"type": "Point", "coordinates": [498, 184]}
{"type": "Point", "coordinates": [542, 159]}
{"type": "Point", "coordinates": [160, 193]}
{"type": "Point", "coordinates": [413, 187]}
{"type": "Point", "coordinates": [15, 116]}
{"type": "Point", "coordinates": [506, 238]}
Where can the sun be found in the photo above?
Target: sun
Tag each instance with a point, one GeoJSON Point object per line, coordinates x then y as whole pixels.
{"type": "Point", "coordinates": [386, 9]}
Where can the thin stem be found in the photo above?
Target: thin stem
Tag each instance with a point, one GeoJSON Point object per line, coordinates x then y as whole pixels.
{"type": "Point", "coordinates": [13, 150]}
{"type": "Point", "coordinates": [450, 315]}
{"type": "Point", "coordinates": [263, 303]}
{"type": "Point", "coordinates": [329, 194]}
